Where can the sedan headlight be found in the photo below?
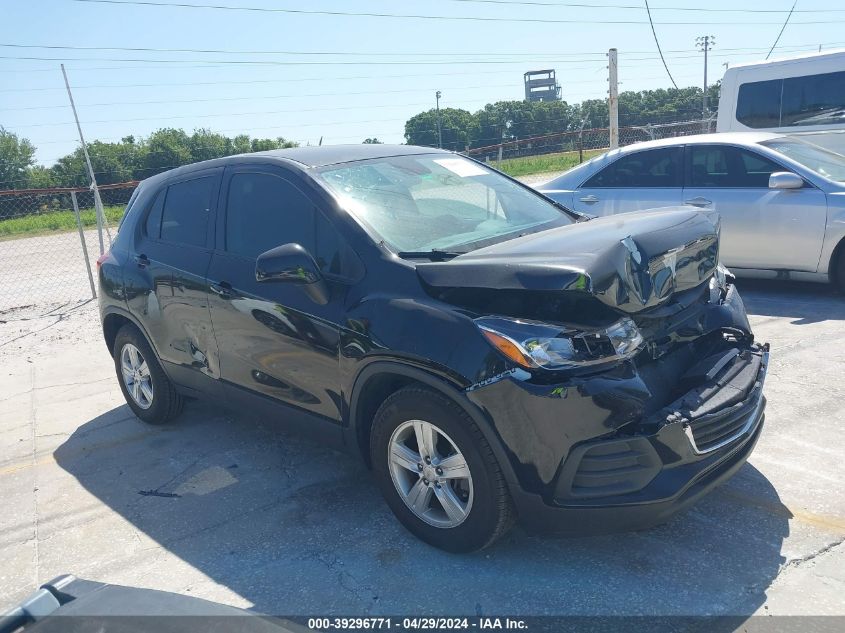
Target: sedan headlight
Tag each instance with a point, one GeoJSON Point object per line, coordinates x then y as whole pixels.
{"type": "Point", "coordinates": [542, 345]}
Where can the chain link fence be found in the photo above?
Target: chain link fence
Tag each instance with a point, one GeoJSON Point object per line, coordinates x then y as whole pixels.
{"type": "Point", "coordinates": [589, 141]}
{"type": "Point", "coordinates": [50, 240]}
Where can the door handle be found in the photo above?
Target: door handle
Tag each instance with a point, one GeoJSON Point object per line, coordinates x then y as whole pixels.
{"type": "Point", "coordinates": [699, 202]}
{"type": "Point", "coordinates": [142, 261]}
{"type": "Point", "coordinates": [223, 289]}
{"type": "Point", "coordinates": [591, 199]}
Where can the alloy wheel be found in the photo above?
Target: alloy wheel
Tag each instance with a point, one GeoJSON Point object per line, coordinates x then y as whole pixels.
{"type": "Point", "coordinates": [430, 474]}
{"type": "Point", "coordinates": [136, 376]}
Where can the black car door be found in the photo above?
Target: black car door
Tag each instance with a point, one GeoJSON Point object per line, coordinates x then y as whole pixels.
{"type": "Point", "coordinates": [272, 338]}
{"type": "Point", "coordinates": [166, 282]}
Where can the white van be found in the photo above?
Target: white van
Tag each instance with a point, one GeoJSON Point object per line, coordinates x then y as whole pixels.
{"type": "Point", "coordinates": [799, 94]}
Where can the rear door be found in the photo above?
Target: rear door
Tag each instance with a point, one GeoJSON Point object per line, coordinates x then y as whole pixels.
{"type": "Point", "coordinates": [761, 228]}
{"type": "Point", "coordinates": [273, 339]}
{"type": "Point", "coordinates": [635, 182]}
{"type": "Point", "coordinates": [165, 282]}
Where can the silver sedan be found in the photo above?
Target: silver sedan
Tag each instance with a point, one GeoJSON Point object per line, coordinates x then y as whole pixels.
{"type": "Point", "coordinates": [781, 199]}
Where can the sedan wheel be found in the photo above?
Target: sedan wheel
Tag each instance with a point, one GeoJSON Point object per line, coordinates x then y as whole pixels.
{"type": "Point", "coordinates": [430, 474]}
{"type": "Point", "coordinates": [136, 376]}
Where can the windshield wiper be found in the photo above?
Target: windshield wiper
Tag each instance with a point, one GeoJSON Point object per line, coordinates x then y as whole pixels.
{"type": "Point", "coordinates": [434, 255]}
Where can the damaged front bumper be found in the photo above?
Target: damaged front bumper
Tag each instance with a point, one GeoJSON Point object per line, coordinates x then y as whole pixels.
{"type": "Point", "coordinates": [595, 454]}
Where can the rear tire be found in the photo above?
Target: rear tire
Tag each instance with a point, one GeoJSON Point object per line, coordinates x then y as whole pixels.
{"type": "Point", "coordinates": [147, 389]}
{"type": "Point", "coordinates": [476, 508]}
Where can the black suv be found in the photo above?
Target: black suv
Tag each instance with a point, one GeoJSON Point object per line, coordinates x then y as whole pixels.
{"type": "Point", "coordinates": [488, 352]}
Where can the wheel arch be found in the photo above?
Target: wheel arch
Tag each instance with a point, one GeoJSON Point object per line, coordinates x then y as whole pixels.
{"type": "Point", "coordinates": [380, 379]}
{"type": "Point", "coordinates": [114, 319]}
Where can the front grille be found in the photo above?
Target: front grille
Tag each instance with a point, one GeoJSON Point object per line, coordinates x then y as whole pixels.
{"type": "Point", "coordinates": [612, 468]}
{"type": "Point", "coordinates": [713, 430]}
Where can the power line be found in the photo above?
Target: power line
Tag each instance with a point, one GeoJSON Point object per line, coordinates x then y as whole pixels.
{"type": "Point", "coordinates": [637, 7]}
{"type": "Point", "coordinates": [272, 62]}
{"type": "Point", "coordinates": [785, 22]}
{"type": "Point", "coordinates": [347, 53]}
{"type": "Point", "coordinates": [654, 33]}
{"type": "Point", "coordinates": [211, 66]}
{"type": "Point", "coordinates": [252, 98]}
{"type": "Point", "coordinates": [414, 16]}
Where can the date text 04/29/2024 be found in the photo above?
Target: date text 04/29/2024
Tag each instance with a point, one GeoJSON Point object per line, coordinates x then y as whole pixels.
{"type": "Point", "coordinates": [421, 624]}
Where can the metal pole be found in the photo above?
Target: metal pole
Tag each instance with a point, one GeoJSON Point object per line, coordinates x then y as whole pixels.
{"type": "Point", "coordinates": [439, 131]}
{"type": "Point", "coordinates": [84, 246]}
{"type": "Point", "coordinates": [98, 205]}
{"type": "Point", "coordinates": [704, 43]}
{"type": "Point", "coordinates": [581, 141]}
{"type": "Point", "coordinates": [613, 101]}
{"type": "Point", "coordinates": [704, 100]}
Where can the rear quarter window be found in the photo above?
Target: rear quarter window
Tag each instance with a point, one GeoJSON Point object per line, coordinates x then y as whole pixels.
{"type": "Point", "coordinates": [184, 217]}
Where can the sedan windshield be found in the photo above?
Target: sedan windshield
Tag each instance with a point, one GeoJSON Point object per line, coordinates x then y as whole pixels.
{"type": "Point", "coordinates": [437, 202]}
{"type": "Point", "coordinates": [822, 161]}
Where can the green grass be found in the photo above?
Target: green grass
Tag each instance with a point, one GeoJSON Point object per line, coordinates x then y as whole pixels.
{"type": "Point", "coordinates": [540, 164]}
{"type": "Point", "coordinates": [54, 221]}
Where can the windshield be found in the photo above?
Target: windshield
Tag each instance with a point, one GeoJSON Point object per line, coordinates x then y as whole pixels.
{"type": "Point", "coordinates": [822, 161]}
{"type": "Point", "coordinates": [438, 202]}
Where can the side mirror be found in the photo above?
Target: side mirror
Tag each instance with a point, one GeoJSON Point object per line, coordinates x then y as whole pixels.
{"type": "Point", "coordinates": [785, 180]}
{"type": "Point", "coordinates": [291, 263]}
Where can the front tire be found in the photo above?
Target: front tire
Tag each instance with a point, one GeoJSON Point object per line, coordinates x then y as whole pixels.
{"type": "Point", "coordinates": [437, 472]}
{"type": "Point", "coordinates": [147, 389]}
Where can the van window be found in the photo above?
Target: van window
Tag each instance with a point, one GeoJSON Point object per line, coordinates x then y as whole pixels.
{"type": "Point", "coordinates": [795, 101]}
{"type": "Point", "coordinates": [813, 100]}
{"type": "Point", "coordinates": [758, 104]}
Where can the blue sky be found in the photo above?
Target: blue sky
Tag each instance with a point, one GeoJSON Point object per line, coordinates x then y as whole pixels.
{"type": "Point", "coordinates": [378, 70]}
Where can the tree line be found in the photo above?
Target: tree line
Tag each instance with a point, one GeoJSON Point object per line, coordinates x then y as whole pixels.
{"type": "Point", "coordinates": [138, 158]}
{"type": "Point", "coordinates": [130, 159]}
{"type": "Point", "coordinates": [513, 120]}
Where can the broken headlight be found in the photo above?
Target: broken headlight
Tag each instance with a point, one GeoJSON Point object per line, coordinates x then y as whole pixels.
{"type": "Point", "coordinates": [543, 345]}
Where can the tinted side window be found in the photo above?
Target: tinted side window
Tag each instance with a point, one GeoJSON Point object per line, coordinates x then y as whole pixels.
{"type": "Point", "coordinates": [152, 227]}
{"type": "Point", "coordinates": [184, 218]}
{"type": "Point", "coordinates": [813, 100]}
{"type": "Point", "coordinates": [729, 167]}
{"type": "Point", "coordinates": [264, 211]}
{"type": "Point", "coordinates": [758, 103]}
{"type": "Point", "coordinates": [650, 168]}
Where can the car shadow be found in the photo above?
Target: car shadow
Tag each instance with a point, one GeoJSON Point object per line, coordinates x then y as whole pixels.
{"type": "Point", "coordinates": [804, 303]}
{"type": "Point", "coordinates": [297, 529]}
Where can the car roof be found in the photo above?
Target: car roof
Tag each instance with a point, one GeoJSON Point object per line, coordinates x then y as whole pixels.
{"type": "Point", "coordinates": [305, 157]}
{"type": "Point", "coordinates": [587, 168]}
{"type": "Point", "coordinates": [741, 138]}
{"type": "Point", "coordinates": [313, 156]}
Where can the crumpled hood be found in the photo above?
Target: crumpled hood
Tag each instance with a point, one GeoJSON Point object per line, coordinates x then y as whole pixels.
{"type": "Point", "coordinates": [629, 262]}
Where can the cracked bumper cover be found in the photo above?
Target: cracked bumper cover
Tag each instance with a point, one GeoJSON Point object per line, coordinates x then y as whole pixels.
{"type": "Point", "coordinates": [595, 455]}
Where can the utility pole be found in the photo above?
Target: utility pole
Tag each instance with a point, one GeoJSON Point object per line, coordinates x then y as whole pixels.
{"type": "Point", "coordinates": [98, 204]}
{"type": "Point", "coordinates": [437, 96]}
{"type": "Point", "coordinates": [704, 44]}
{"type": "Point", "coordinates": [613, 100]}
